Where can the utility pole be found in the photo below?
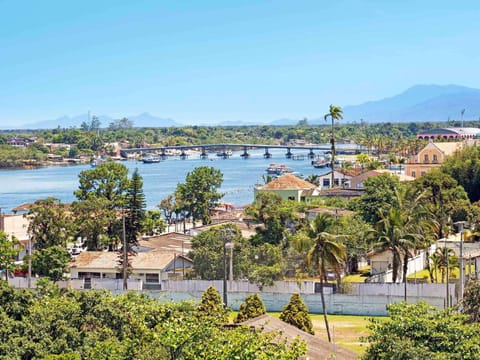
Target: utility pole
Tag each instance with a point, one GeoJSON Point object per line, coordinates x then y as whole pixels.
{"type": "Point", "coordinates": [29, 262]}
{"type": "Point", "coordinates": [124, 268]}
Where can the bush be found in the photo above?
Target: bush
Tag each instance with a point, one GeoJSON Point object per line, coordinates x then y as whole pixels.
{"type": "Point", "coordinates": [296, 313]}
{"type": "Point", "coordinates": [211, 305]}
{"type": "Point", "coordinates": [251, 308]}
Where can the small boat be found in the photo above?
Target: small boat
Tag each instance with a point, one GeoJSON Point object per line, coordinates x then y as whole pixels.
{"type": "Point", "coordinates": [320, 163]}
{"type": "Point", "coordinates": [151, 158]}
{"type": "Point", "coordinates": [97, 161]}
{"type": "Point", "coordinates": [276, 169]}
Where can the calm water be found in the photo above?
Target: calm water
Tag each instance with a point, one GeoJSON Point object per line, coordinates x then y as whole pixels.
{"type": "Point", "coordinates": [159, 180]}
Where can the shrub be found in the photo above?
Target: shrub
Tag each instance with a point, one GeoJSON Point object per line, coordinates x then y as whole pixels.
{"type": "Point", "coordinates": [211, 305]}
{"type": "Point", "coordinates": [296, 313]}
{"type": "Point", "coordinates": [251, 308]}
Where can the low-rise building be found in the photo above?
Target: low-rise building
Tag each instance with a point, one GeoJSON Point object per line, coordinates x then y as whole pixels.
{"type": "Point", "coordinates": [148, 266]}
{"type": "Point", "coordinates": [289, 187]}
{"type": "Point", "coordinates": [430, 157]}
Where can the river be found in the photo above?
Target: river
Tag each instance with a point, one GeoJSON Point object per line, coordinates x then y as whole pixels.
{"type": "Point", "coordinates": [159, 179]}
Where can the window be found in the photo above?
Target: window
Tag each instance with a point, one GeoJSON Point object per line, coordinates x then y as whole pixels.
{"type": "Point", "coordinates": [422, 173]}
{"type": "Point", "coordinates": [414, 174]}
{"type": "Point", "coordinates": [435, 159]}
{"type": "Point", "coordinates": [326, 182]}
{"type": "Point", "coordinates": [425, 158]}
{"type": "Point", "coordinates": [151, 278]}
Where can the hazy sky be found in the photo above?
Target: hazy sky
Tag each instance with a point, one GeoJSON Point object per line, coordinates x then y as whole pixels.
{"type": "Point", "coordinates": [211, 61]}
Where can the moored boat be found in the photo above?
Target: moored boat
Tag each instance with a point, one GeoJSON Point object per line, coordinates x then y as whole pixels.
{"type": "Point", "coordinates": [278, 169]}
{"type": "Point", "coordinates": [151, 158]}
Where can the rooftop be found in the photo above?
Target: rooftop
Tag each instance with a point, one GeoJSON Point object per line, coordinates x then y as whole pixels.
{"type": "Point", "coordinates": [316, 347]}
{"type": "Point", "coordinates": [287, 182]}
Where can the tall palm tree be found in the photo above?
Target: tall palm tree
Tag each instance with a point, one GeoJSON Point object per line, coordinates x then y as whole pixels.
{"type": "Point", "coordinates": [325, 253]}
{"type": "Point", "coordinates": [335, 113]}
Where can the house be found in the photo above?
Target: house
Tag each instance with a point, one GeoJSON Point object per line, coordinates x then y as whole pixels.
{"type": "Point", "coordinates": [151, 267]}
{"type": "Point", "coordinates": [16, 226]}
{"type": "Point", "coordinates": [356, 182]}
{"type": "Point", "coordinates": [430, 157]}
{"type": "Point", "coordinates": [340, 178]}
{"type": "Point", "coordinates": [316, 347]}
{"type": "Point", "coordinates": [289, 187]}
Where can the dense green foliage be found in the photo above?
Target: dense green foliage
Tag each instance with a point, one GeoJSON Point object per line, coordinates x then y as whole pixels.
{"type": "Point", "coordinates": [419, 331]}
{"type": "Point", "coordinates": [8, 251]}
{"type": "Point", "coordinates": [211, 305]}
{"type": "Point", "coordinates": [51, 262]}
{"type": "Point", "coordinates": [49, 223]}
{"type": "Point", "coordinates": [199, 192]}
{"type": "Point", "coordinates": [296, 313]}
{"type": "Point", "coordinates": [251, 308]}
{"type": "Point", "coordinates": [54, 324]}
{"type": "Point", "coordinates": [464, 167]}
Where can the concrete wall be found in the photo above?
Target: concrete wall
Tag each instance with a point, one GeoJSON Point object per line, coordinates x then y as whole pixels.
{"type": "Point", "coordinates": [365, 305]}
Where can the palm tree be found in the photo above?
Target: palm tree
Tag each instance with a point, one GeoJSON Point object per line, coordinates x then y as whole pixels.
{"type": "Point", "coordinates": [325, 253]}
{"type": "Point", "coordinates": [402, 229]}
{"type": "Point", "coordinates": [313, 179]}
{"type": "Point", "coordinates": [335, 113]}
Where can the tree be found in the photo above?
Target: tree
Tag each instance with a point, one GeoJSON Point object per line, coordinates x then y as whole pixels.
{"type": "Point", "coordinates": [168, 206]}
{"type": "Point", "coordinates": [419, 331]}
{"type": "Point", "coordinates": [211, 305]}
{"type": "Point", "coordinates": [471, 301]}
{"type": "Point", "coordinates": [199, 192]}
{"type": "Point", "coordinates": [51, 262]}
{"type": "Point", "coordinates": [378, 197]}
{"type": "Point", "coordinates": [401, 230]}
{"type": "Point", "coordinates": [207, 253]}
{"type": "Point", "coordinates": [274, 215]}
{"type": "Point", "coordinates": [153, 224]}
{"type": "Point", "coordinates": [135, 209]}
{"type": "Point", "coordinates": [49, 223]}
{"type": "Point", "coordinates": [102, 191]}
{"type": "Point", "coordinates": [325, 253]}
{"type": "Point", "coordinates": [296, 313]}
{"type": "Point", "coordinates": [444, 199]}
{"type": "Point", "coordinates": [335, 113]}
{"type": "Point", "coordinates": [251, 308]}
{"type": "Point", "coordinates": [8, 251]}
{"type": "Point", "coordinates": [464, 166]}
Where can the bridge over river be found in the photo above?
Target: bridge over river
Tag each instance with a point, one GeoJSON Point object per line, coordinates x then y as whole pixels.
{"type": "Point", "coordinates": [225, 150]}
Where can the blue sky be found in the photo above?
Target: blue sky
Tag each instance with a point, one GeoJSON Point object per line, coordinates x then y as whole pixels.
{"type": "Point", "coordinates": [212, 61]}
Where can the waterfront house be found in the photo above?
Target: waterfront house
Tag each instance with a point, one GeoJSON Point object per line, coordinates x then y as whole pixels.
{"type": "Point", "coordinates": [430, 157]}
{"type": "Point", "coordinates": [289, 187]}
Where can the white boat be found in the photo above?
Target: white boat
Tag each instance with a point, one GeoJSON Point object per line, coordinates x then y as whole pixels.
{"type": "Point", "coordinates": [278, 169]}
{"type": "Point", "coordinates": [151, 158]}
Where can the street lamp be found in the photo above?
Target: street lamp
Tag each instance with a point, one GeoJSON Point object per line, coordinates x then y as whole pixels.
{"type": "Point", "coordinates": [226, 234]}
{"type": "Point", "coordinates": [461, 225]}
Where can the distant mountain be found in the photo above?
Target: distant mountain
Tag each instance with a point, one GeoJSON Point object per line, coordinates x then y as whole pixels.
{"type": "Point", "coordinates": [142, 120]}
{"type": "Point", "coordinates": [420, 103]}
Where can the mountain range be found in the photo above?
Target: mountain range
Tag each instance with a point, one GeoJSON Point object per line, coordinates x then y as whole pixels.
{"type": "Point", "coordinates": [419, 103]}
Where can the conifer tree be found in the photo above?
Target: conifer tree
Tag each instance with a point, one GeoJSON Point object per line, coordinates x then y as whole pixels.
{"type": "Point", "coordinates": [251, 308]}
{"type": "Point", "coordinates": [296, 313]}
{"type": "Point", "coordinates": [211, 305]}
